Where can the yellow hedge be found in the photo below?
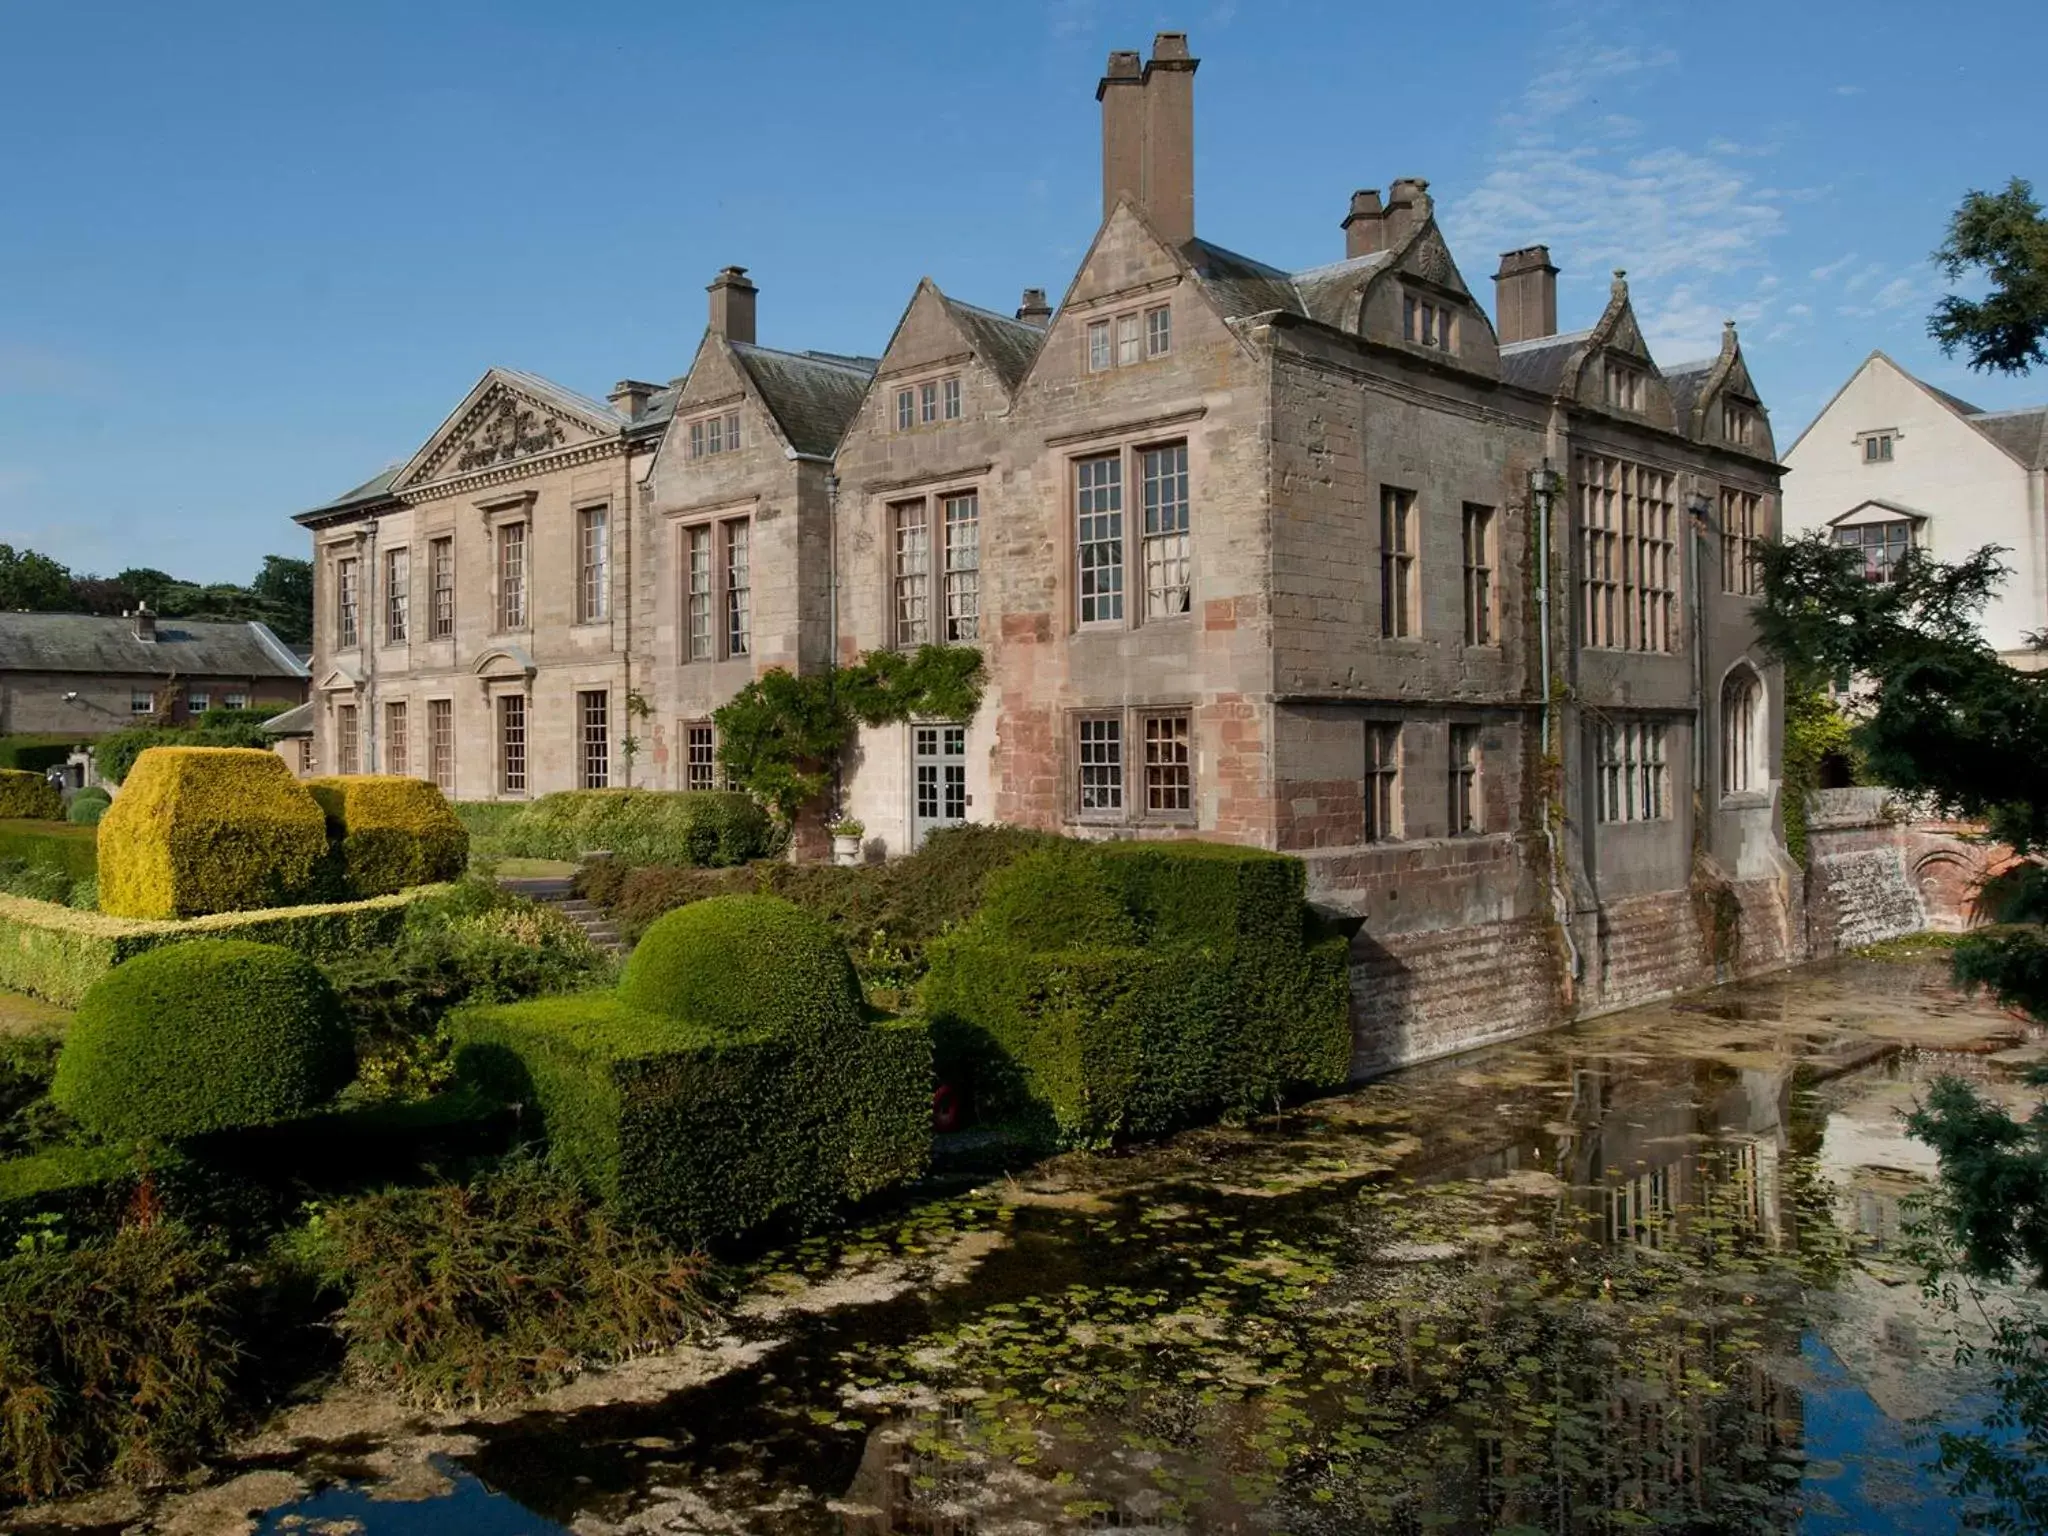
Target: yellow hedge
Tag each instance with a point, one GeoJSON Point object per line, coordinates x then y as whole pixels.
{"type": "Point", "coordinates": [28, 796]}
{"type": "Point", "coordinates": [386, 832]}
{"type": "Point", "coordinates": [209, 829]}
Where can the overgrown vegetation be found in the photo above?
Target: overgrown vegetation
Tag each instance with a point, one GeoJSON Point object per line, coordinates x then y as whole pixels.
{"type": "Point", "coordinates": [489, 1291]}
{"type": "Point", "coordinates": [780, 738]}
{"type": "Point", "coordinates": [114, 754]}
{"type": "Point", "coordinates": [714, 829]}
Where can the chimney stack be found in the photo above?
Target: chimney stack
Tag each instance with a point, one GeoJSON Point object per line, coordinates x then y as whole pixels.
{"type": "Point", "coordinates": [1525, 295]}
{"type": "Point", "coordinates": [1034, 310]}
{"type": "Point", "coordinates": [1148, 134]}
{"type": "Point", "coordinates": [629, 398]}
{"type": "Point", "coordinates": [1364, 226]}
{"type": "Point", "coordinates": [1408, 207]}
{"type": "Point", "coordinates": [145, 623]}
{"type": "Point", "coordinates": [732, 305]}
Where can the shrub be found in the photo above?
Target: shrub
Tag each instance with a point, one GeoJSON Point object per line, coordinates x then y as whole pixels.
{"type": "Point", "coordinates": [116, 1356]}
{"type": "Point", "coordinates": [741, 966]}
{"type": "Point", "coordinates": [485, 821]}
{"type": "Point", "coordinates": [37, 882]}
{"type": "Point", "coordinates": [209, 829]}
{"type": "Point", "coordinates": [465, 1295]}
{"type": "Point", "coordinates": [88, 806]}
{"type": "Point", "coordinates": [26, 1063]}
{"type": "Point", "coordinates": [641, 826]}
{"type": "Point", "coordinates": [202, 1037]}
{"type": "Point", "coordinates": [36, 753]}
{"type": "Point", "coordinates": [755, 1092]}
{"type": "Point", "coordinates": [1204, 992]}
{"type": "Point", "coordinates": [386, 833]}
{"type": "Point", "coordinates": [74, 850]}
{"type": "Point", "coordinates": [116, 753]}
{"type": "Point", "coordinates": [29, 796]}
{"type": "Point", "coordinates": [56, 953]}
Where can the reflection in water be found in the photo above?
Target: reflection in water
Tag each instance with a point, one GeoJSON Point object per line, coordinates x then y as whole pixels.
{"type": "Point", "coordinates": [1634, 1275]}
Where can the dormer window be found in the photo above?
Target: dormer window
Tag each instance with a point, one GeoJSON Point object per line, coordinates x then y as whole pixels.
{"type": "Point", "coordinates": [715, 434]}
{"type": "Point", "coordinates": [1428, 323]}
{"type": "Point", "coordinates": [1738, 424]}
{"type": "Point", "coordinates": [928, 403]}
{"type": "Point", "coordinates": [1877, 447]}
{"type": "Point", "coordinates": [1136, 337]}
{"type": "Point", "coordinates": [1624, 385]}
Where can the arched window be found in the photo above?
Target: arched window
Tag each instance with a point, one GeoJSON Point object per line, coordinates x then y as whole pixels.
{"type": "Point", "coordinates": [1742, 732]}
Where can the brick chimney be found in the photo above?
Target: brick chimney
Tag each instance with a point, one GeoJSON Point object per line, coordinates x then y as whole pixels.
{"type": "Point", "coordinates": [1408, 207]}
{"type": "Point", "coordinates": [629, 398]}
{"type": "Point", "coordinates": [732, 305]}
{"type": "Point", "coordinates": [1148, 134]}
{"type": "Point", "coordinates": [1034, 310]}
{"type": "Point", "coordinates": [1364, 226]}
{"type": "Point", "coordinates": [1525, 295]}
{"type": "Point", "coordinates": [145, 623]}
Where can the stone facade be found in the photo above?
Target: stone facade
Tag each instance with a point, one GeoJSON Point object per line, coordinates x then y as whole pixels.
{"type": "Point", "coordinates": [1315, 561]}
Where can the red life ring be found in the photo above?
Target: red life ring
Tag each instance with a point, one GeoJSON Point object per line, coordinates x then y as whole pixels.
{"type": "Point", "coordinates": [945, 1108]}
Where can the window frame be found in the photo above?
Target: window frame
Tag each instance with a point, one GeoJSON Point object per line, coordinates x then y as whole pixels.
{"type": "Point", "coordinates": [348, 739]}
{"type": "Point", "coordinates": [1624, 384]}
{"type": "Point", "coordinates": [910, 572]}
{"type": "Point", "coordinates": [1882, 568]}
{"type": "Point", "coordinates": [513, 533]}
{"type": "Point", "coordinates": [234, 699]}
{"type": "Point", "coordinates": [1880, 445]}
{"type": "Point", "coordinates": [398, 595]}
{"type": "Point", "coordinates": [716, 594]}
{"type": "Point", "coordinates": [397, 738]}
{"type": "Point", "coordinates": [711, 433]}
{"type": "Point", "coordinates": [1632, 770]}
{"type": "Point", "coordinates": [1141, 549]}
{"type": "Point", "coordinates": [1743, 530]}
{"type": "Point", "coordinates": [1134, 781]}
{"type": "Point", "coordinates": [1745, 775]}
{"type": "Point", "coordinates": [348, 598]}
{"type": "Point", "coordinates": [440, 563]}
{"type": "Point", "coordinates": [1127, 338]}
{"type": "Point", "coordinates": [1482, 582]}
{"type": "Point", "coordinates": [440, 745]}
{"type": "Point", "coordinates": [1464, 767]}
{"type": "Point", "coordinates": [1627, 555]}
{"type": "Point", "coordinates": [712, 777]}
{"type": "Point", "coordinates": [593, 738]}
{"type": "Point", "coordinates": [1400, 565]}
{"type": "Point", "coordinates": [1429, 321]}
{"type": "Point", "coordinates": [594, 571]}
{"type": "Point", "coordinates": [198, 700]}
{"type": "Point", "coordinates": [503, 709]}
{"type": "Point", "coordinates": [1381, 782]}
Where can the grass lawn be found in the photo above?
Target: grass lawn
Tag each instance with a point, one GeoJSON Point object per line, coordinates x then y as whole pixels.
{"type": "Point", "coordinates": [534, 869]}
{"type": "Point", "coordinates": [29, 1015]}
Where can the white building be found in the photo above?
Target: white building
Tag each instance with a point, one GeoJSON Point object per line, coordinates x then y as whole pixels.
{"type": "Point", "coordinates": [1893, 463]}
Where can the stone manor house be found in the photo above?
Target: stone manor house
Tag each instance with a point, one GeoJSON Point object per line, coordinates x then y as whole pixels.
{"type": "Point", "coordinates": [1453, 606]}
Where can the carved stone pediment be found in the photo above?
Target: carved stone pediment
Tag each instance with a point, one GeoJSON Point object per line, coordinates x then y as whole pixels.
{"type": "Point", "coordinates": [502, 427]}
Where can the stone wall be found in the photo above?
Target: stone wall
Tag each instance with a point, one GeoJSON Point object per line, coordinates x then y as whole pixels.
{"type": "Point", "coordinates": [1876, 871]}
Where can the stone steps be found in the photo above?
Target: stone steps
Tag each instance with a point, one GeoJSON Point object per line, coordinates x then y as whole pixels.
{"type": "Point", "coordinates": [586, 915]}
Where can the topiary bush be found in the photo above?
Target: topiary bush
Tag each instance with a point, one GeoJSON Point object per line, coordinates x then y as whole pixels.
{"type": "Point", "coordinates": [1118, 991]}
{"type": "Point", "coordinates": [209, 829]}
{"type": "Point", "coordinates": [88, 806]}
{"type": "Point", "coordinates": [202, 1036]}
{"type": "Point", "coordinates": [641, 826]}
{"type": "Point", "coordinates": [386, 833]}
{"type": "Point", "coordinates": [29, 796]}
{"type": "Point", "coordinates": [730, 1082]}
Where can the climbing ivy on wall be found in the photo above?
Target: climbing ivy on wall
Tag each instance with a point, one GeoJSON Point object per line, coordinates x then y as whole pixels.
{"type": "Point", "coordinates": [1814, 730]}
{"type": "Point", "coordinates": [780, 737]}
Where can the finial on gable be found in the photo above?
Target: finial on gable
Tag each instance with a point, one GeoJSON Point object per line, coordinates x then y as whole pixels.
{"type": "Point", "coordinates": [1727, 337]}
{"type": "Point", "coordinates": [1620, 288]}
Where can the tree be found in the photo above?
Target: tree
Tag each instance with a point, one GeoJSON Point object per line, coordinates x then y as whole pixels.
{"type": "Point", "coordinates": [2003, 235]}
{"type": "Point", "coordinates": [32, 583]}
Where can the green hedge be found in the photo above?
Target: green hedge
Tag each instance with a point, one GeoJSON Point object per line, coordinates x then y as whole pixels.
{"type": "Point", "coordinates": [29, 796]}
{"type": "Point", "coordinates": [208, 1035]}
{"type": "Point", "coordinates": [387, 832]}
{"type": "Point", "coordinates": [75, 850]}
{"type": "Point", "coordinates": [706, 1116]}
{"type": "Point", "coordinates": [56, 953]}
{"type": "Point", "coordinates": [87, 807]}
{"type": "Point", "coordinates": [37, 753]}
{"type": "Point", "coordinates": [641, 826]}
{"type": "Point", "coordinates": [1214, 995]}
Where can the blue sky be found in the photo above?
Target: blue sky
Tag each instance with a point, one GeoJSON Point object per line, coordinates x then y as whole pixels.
{"type": "Point", "coordinates": [249, 254]}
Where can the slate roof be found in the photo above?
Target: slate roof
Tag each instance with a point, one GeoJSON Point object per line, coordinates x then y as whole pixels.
{"type": "Point", "coordinates": [296, 721]}
{"type": "Point", "coordinates": [1539, 364]}
{"type": "Point", "coordinates": [813, 395]}
{"type": "Point", "coordinates": [1241, 286]}
{"type": "Point", "coordinates": [1006, 345]}
{"type": "Point", "coordinates": [1684, 381]}
{"type": "Point", "coordinates": [85, 642]}
{"type": "Point", "coordinates": [2021, 433]}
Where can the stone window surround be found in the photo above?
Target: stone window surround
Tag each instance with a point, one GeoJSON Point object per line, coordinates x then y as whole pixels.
{"type": "Point", "coordinates": [1132, 717]}
{"type": "Point", "coordinates": [912, 383]}
{"type": "Point", "coordinates": [495, 689]}
{"type": "Point", "coordinates": [1744, 761]}
{"type": "Point", "coordinates": [498, 513]}
{"type": "Point", "coordinates": [578, 511]}
{"type": "Point", "coordinates": [1130, 446]}
{"type": "Point", "coordinates": [716, 518]}
{"type": "Point", "coordinates": [693, 428]}
{"type": "Point", "coordinates": [1431, 317]}
{"type": "Point", "coordinates": [1388, 773]}
{"type": "Point", "coordinates": [1137, 303]}
{"type": "Point", "coordinates": [332, 552]}
{"type": "Point", "coordinates": [1863, 440]}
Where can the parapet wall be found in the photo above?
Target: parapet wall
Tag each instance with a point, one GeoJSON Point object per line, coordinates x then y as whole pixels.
{"type": "Point", "coordinates": [1876, 871]}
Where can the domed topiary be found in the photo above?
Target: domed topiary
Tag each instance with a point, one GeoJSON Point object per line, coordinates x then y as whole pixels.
{"type": "Point", "coordinates": [88, 806]}
{"type": "Point", "coordinates": [744, 965]}
{"type": "Point", "coordinates": [202, 1036]}
{"type": "Point", "coordinates": [209, 829]}
{"type": "Point", "coordinates": [386, 833]}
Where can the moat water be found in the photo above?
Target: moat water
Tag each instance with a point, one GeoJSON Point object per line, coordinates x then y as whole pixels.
{"type": "Point", "coordinates": [1644, 1273]}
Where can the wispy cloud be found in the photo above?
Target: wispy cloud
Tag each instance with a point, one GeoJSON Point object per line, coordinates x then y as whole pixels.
{"type": "Point", "coordinates": [1833, 269]}
{"type": "Point", "coordinates": [1848, 90]}
{"type": "Point", "coordinates": [1072, 18]}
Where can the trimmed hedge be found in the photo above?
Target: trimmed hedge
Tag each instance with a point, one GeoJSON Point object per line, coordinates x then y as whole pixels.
{"type": "Point", "coordinates": [28, 796]}
{"type": "Point", "coordinates": [75, 850]}
{"type": "Point", "coordinates": [57, 953]}
{"type": "Point", "coordinates": [199, 830]}
{"type": "Point", "coordinates": [202, 1036]}
{"type": "Point", "coordinates": [386, 833]}
{"type": "Point", "coordinates": [641, 826]}
{"type": "Point", "coordinates": [1207, 990]}
{"type": "Point", "coordinates": [86, 809]}
{"type": "Point", "coordinates": [36, 752]}
{"type": "Point", "coordinates": [709, 1127]}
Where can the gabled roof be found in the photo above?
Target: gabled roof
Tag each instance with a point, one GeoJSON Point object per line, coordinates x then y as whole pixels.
{"type": "Point", "coordinates": [2023, 433]}
{"type": "Point", "coordinates": [812, 395]}
{"type": "Point", "coordinates": [1896, 508]}
{"type": "Point", "coordinates": [1241, 286]}
{"type": "Point", "coordinates": [296, 721]}
{"type": "Point", "coordinates": [1007, 346]}
{"type": "Point", "coordinates": [1685, 380]}
{"type": "Point", "coordinates": [88, 642]}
